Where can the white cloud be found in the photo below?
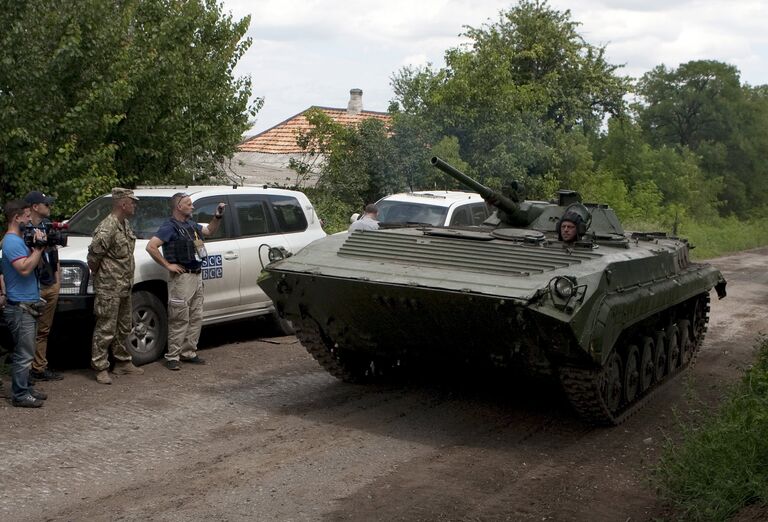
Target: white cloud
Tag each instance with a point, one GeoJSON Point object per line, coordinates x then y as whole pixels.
{"type": "Point", "coordinates": [311, 52]}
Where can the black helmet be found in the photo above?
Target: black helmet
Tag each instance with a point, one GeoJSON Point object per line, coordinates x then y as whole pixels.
{"type": "Point", "coordinates": [577, 220]}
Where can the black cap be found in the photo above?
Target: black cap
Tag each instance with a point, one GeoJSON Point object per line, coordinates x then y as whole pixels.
{"type": "Point", "coordinates": [35, 197]}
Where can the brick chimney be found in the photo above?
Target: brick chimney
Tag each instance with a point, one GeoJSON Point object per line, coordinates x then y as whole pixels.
{"type": "Point", "coordinates": [355, 105]}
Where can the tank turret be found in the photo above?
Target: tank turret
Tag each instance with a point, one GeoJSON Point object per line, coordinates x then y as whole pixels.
{"type": "Point", "coordinates": [512, 209]}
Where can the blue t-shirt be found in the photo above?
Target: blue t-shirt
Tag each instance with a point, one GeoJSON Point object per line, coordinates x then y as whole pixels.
{"type": "Point", "coordinates": [17, 286]}
{"type": "Point", "coordinates": [174, 230]}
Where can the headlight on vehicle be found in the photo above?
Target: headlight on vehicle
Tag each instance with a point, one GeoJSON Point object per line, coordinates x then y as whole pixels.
{"type": "Point", "coordinates": [566, 293]}
{"type": "Point", "coordinates": [277, 254]}
{"type": "Point", "coordinates": [72, 277]}
{"type": "Point", "coordinates": [563, 287]}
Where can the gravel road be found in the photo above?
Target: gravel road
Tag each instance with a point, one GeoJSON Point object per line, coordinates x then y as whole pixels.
{"type": "Point", "coordinates": [262, 433]}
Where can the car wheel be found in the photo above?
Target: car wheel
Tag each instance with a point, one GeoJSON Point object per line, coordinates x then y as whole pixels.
{"type": "Point", "coordinates": [284, 326]}
{"type": "Point", "coordinates": [149, 335]}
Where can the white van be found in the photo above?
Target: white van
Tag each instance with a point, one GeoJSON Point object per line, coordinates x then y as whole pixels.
{"type": "Point", "coordinates": [255, 220]}
{"type": "Point", "coordinates": [432, 207]}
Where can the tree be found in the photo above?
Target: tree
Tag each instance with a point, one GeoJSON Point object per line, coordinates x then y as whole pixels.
{"type": "Point", "coordinates": [690, 105]}
{"type": "Point", "coordinates": [98, 93]}
{"type": "Point", "coordinates": [353, 165]}
{"type": "Point", "coordinates": [701, 106]}
{"type": "Point", "coordinates": [513, 94]}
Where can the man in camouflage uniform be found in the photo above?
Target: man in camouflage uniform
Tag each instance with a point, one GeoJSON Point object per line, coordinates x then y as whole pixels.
{"type": "Point", "coordinates": [110, 258]}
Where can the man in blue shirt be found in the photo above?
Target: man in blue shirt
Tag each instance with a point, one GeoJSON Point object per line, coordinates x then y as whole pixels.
{"type": "Point", "coordinates": [22, 297]}
{"type": "Point", "coordinates": [183, 252]}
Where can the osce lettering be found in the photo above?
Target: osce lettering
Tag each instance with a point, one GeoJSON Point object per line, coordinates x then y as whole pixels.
{"type": "Point", "coordinates": [213, 267]}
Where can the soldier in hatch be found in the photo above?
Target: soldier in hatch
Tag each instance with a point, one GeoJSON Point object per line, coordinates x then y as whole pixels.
{"type": "Point", "coordinates": [568, 228]}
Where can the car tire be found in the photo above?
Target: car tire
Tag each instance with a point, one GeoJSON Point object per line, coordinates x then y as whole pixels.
{"type": "Point", "coordinates": [149, 335]}
{"type": "Point", "coordinates": [284, 326]}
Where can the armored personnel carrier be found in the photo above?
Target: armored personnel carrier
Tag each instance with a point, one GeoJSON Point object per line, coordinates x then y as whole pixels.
{"type": "Point", "coordinates": [612, 316]}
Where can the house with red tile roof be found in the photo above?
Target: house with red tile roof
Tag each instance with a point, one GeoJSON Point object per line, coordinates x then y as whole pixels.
{"type": "Point", "coordinates": [264, 158]}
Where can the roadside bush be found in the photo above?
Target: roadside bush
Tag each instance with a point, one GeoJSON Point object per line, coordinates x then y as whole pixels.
{"type": "Point", "coordinates": [724, 235]}
{"type": "Point", "coordinates": [716, 237]}
{"type": "Point", "coordinates": [333, 211]}
{"type": "Point", "coordinates": [721, 464]}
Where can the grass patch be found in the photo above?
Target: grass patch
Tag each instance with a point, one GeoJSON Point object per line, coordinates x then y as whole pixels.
{"type": "Point", "coordinates": [721, 463]}
{"type": "Point", "coordinates": [724, 236]}
{"type": "Point", "coordinates": [716, 237]}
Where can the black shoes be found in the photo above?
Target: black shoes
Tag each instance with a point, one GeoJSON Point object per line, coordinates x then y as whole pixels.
{"type": "Point", "coordinates": [194, 360]}
{"type": "Point", "coordinates": [45, 375]}
{"type": "Point", "coordinates": [40, 396]}
{"type": "Point", "coordinates": [27, 402]}
{"type": "Point", "coordinates": [173, 365]}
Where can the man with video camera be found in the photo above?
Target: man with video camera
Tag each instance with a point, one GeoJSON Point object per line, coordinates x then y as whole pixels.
{"type": "Point", "coordinates": [19, 263]}
{"type": "Point", "coordinates": [48, 275]}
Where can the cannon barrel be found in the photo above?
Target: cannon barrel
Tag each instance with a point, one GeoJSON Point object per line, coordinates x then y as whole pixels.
{"type": "Point", "coordinates": [500, 201]}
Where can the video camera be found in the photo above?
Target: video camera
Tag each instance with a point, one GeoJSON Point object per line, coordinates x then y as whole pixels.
{"type": "Point", "coordinates": [55, 234]}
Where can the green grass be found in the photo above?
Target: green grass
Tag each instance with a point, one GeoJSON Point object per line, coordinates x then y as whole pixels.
{"type": "Point", "coordinates": [724, 236]}
{"type": "Point", "coordinates": [717, 237]}
{"type": "Point", "coordinates": [721, 463]}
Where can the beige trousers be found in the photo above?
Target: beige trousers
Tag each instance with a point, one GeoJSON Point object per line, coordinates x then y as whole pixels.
{"type": "Point", "coordinates": [185, 315]}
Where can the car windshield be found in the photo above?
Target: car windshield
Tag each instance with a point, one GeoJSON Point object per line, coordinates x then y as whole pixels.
{"type": "Point", "coordinates": [150, 213]}
{"type": "Point", "coordinates": [403, 212]}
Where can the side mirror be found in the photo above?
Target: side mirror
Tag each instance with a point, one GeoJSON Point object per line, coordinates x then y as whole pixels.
{"type": "Point", "coordinates": [354, 217]}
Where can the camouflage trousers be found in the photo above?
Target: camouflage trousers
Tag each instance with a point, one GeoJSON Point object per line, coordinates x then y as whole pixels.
{"type": "Point", "coordinates": [185, 315]}
{"type": "Point", "coordinates": [44, 322]}
{"type": "Point", "coordinates": [113, 324]}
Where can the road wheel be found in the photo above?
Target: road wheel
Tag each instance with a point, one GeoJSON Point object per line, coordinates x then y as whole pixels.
{"type": "Point", "coordinates": [673, 349]}
{"type": "Point", "coordinates": [647, 367]}
{"type": "Point", "coordinates": [631, 373]}
{"type": "Point", "coordinates": [149, 335]}
{"type": "Point", "coordinates": [660, 355]}
{"type": "Point", "coordinates": [687, 345]}
{"type": "Point", "coordinates": [610, 387]}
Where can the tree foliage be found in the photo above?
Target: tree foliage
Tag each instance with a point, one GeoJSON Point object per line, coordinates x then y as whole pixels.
{"type": "Point", "coordinates": [98, 93]}
{"type": "Point", "coordinates": [515, 92]}
{"type": "Point", "coordinates": [528, 98]}
{"type": "Point", "coordinates": [702, 107]}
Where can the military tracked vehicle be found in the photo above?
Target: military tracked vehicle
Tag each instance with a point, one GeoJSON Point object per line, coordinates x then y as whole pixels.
{"type": "Point", "coordinates": [612, 316]}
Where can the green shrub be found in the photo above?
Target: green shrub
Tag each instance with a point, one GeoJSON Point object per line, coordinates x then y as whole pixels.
{"type": "Point", "coordinates": [721, 464]}
{"type": "Point", "coordinates": [724, 235]}
{"type": "Point", "coordinates": [716, 237]}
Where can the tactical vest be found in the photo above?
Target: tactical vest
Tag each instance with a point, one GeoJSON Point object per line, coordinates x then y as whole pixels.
{"type": "Point", "coordinates": [181, 251]}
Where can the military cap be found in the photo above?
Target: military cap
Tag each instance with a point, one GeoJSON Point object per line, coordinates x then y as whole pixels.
{"type": "Point", "coordinates": [119, 193]}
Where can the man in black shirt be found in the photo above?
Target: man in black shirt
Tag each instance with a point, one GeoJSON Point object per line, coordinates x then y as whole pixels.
{"type": "Point", "coordinates": [48, 275]}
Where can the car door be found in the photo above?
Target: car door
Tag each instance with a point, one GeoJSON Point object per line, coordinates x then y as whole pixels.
{"type": "Point", "coordinates": [461, 216]}
{"type": "Point", "coordinates": [479, 212]}
{"type": "Point", "coordinates": [291, 221]}
{"type": "Point", "coordinates": [256, 232]}
{"type": "Point", "coordinates": [221, 268]}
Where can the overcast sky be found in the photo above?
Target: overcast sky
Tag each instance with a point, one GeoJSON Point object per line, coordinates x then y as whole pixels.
{"type": "Point", "coordinates": [312, 52]}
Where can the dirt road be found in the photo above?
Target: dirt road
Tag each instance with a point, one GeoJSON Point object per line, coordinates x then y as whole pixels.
{"type": "Point", "coordinates": [262, 433]}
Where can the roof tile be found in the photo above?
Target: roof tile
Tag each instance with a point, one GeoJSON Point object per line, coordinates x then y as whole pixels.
{"type": "Point", "coordinates": [281, 139]}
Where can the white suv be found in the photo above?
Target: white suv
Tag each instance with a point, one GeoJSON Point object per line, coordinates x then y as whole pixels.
{"type": "Point", "coordinates": [433, 207]}
{"type": "Point", "coordinates": [255, 220]}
